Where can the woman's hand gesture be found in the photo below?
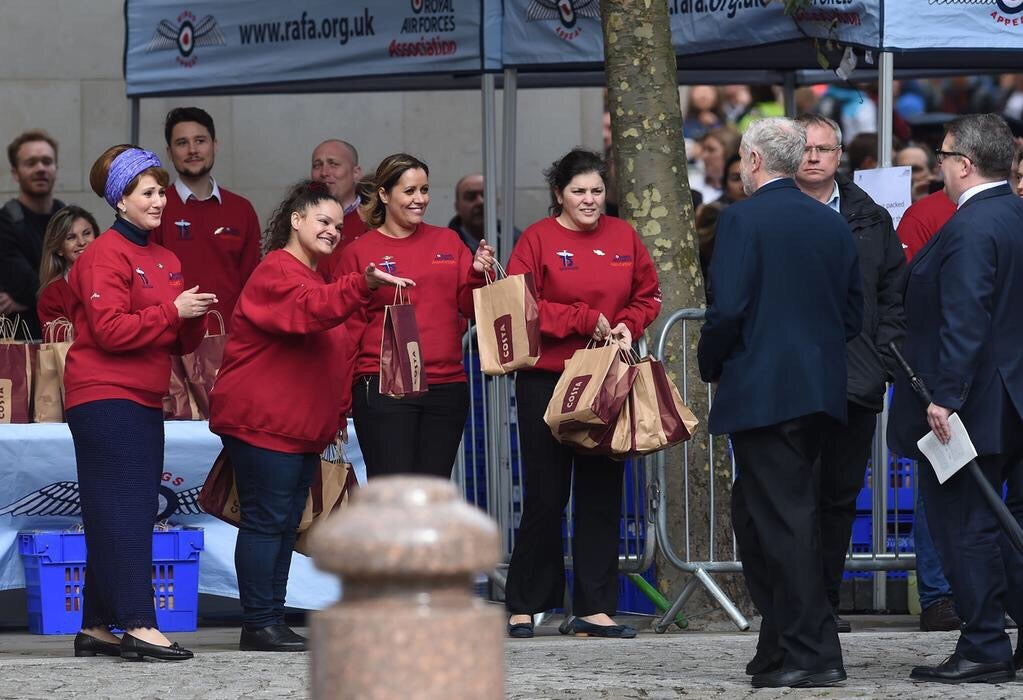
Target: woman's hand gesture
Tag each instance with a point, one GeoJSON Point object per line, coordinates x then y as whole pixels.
{"type": "Point", "coordinates": [192, 303]}
{"type": "Point", "coordinates": [484, 258]}
{"type": "Point", "coordinates": [375, 278]}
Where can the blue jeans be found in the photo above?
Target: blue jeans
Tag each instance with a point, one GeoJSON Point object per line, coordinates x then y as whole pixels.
{"type": "Point", "coordinates": [931, 583]}
{"type": "Point", "coordinates": [272, 491]}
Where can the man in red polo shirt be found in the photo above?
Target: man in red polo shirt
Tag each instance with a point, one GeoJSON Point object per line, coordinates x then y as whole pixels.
{"type": "Point", "coordinates": [335, 163]}
{"type": "Point", "coordinates": [215, 233]}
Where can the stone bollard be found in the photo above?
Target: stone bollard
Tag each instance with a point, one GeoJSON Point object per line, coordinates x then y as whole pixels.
{"type": "Point", "coordinates": [407, 626]}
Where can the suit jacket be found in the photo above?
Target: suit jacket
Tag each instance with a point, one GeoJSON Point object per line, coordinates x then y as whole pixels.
{"type": "Point", "coordinates": [964, 336]}
{"type": "Point", "coordinates": [787, 298]}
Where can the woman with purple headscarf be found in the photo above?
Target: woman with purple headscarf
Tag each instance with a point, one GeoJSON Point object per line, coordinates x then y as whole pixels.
{"type": "Point", "coordinates": [131, 311]}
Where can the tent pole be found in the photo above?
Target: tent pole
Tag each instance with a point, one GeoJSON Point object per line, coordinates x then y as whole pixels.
{"type": "Point", "coordinates": [490, 156]}
{"type": "Point", "coordinates": [508, 135]}
{"type": "Point", "coordinates": [789, 95]}
{"type": "Point", "coordinates": [885, 103]}
{"type": "Point", "coordinates": [134, 121]}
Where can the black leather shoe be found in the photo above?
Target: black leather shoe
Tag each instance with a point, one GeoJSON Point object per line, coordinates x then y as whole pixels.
{"type": "Point", "coordinates": [521, 630]}
{"type": "Point", "coordinates": [582, 628]}
{"type": "Point", "coordinates": [798, 678]}
{"type": "Point", "coordinates": [134, 649]}
{"type": "Point", "coordinates": [940, 617]}
{"type": "Point", "coordinates": [277, 637]}
{"type": "Point", "coordinates": [87, 645]}
{"type": "Point", "coordinates": [956, 669]}
{"type": "Point", "coordinates": [765, 662]}
{"type": "Point", "coordinates": [841, 623]}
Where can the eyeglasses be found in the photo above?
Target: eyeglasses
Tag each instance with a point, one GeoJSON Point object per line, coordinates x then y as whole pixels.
{"type": "Point", "coordinates": [942, 155]}
{"type": "Point", "coordinates": [822, 150]}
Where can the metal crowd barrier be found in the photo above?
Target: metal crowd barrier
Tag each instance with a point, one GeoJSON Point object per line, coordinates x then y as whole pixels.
{"type": "Point", "coordinates": [884, 554]}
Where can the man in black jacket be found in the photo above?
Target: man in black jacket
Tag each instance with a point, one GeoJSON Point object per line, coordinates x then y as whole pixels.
{"type": "Point", "coordinates": [882, 266]}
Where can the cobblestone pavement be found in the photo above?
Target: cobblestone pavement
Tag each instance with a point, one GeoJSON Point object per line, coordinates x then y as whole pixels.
{"type": "Point", "coordinates": [878, 658]}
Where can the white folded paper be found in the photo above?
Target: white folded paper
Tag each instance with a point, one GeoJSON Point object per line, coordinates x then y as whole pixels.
{"type": "Point", "coordinates": [948, 459]}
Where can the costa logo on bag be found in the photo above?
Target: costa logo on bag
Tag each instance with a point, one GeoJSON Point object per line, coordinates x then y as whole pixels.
{"type": "Point", "coordinates": [415, 362]}
{"type": "Point", "coordinates": [503, 331]}
{"type": "Point", "coordinates": [575, 390]}
{"type": "Point", "coordinates": [5, 400]}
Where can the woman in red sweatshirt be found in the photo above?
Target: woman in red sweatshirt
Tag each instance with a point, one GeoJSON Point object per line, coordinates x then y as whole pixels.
{"type": "Point", "coordinates": [421, 434]}
{"type": "Point", "coordinates": [131, 311]}
{"type": "Point", "coordinates": [68, 234]}
{"type": "Point", "coordinates": [594, 279]}
{"type": "Point", "coordinates": [282, 395]}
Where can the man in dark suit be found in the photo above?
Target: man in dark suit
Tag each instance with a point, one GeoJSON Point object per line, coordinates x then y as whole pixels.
{"type": "Point", "coordinates": [787, 299]}
{"type": "Point", "coordinates": [963, 299]}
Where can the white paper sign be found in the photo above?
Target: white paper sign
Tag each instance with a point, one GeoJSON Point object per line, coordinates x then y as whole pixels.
{"type": "Point", "coordinates": [948, 459]}
{"type": "Point", "coordinates": [890, 187]}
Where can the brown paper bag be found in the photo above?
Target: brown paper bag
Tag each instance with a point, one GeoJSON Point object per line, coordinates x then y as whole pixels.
{"type": "Point", "coordinates": [591, 390]}
{"type": "Point", "coordinates": [401, 361]}
{"type": "Point", "coordinates": [507, 323]}
{"type": "Point", "coordinates": [17, 361]}
{"type": "Point", "coordinates": [180, 403]}
{"type": "Point", "coordinates": [201, 365]}
{"type": "Point", "coordinates": [332, 487]}
{"type": "Point", "coordinates": [659, 418]}
{"type": "Point", "coordinates": [219, 494]}
{"type": "Point", "coordinates": [48, 394]}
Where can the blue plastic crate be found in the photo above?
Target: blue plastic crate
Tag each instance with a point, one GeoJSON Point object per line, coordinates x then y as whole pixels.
{"type": "Point", "coordinates": [55, 576]}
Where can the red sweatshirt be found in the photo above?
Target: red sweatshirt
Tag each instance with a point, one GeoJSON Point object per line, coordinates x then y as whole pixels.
{"type": "Point", "coordinates": [922, 220]}
{"type": "Point", "coordinates": [441, 266]}
{"type": "Point", "coordinates": [55, 301]}
{"type": "Point", "coordinates": [351, 228]}
{"type": "Point", "coordinates": [126, 324]}
{"type": "Point", "coordinates": [286, 380]}
{"type": "Point", "coordinates": [581, 274]}
{"type": "Point", "coordinates": [217, 242]}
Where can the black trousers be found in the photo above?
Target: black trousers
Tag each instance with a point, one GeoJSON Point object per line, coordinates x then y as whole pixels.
{"type": "Point", "coordinates": [119, 453]}
{"type": "Point", "coordinates": [776, 518]}
{"type": "Point", "coordinates": [843, 467]}
{"type": "Point", "coordinates": [985, 571]}
{"type": "Point", "coordinates": [409, 436]}
{"type": "Point", "coordinates": [536, 574]}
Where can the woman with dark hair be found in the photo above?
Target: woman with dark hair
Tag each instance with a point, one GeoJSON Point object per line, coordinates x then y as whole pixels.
{"type": "Point", "coordinates": [595, 280]}
{"type": "Point", "coordinates": [283, 394]}
{"type": "Point", "coordinates": [421, 434]}
{"type": "Point", "coordinates": [716, 148]}
{"type": "Point", "coordinates": [131, 311]}
{"type": "Point", "coordinates": [67, 235]}
{"type": "Point", "coordinates": [733, 191]}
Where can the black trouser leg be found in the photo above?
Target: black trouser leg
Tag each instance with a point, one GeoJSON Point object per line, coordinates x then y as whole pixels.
{"type": "Point", "coordinates": [754, 569]}
{"type": "Point", "coordinates": [596, 534]}
{"type": "Point", "coordinates": [779, 494]}
{"type": "Point", "coordinates": [1013, 559]}
{"type": "Point", "coordinates": [843, 467]}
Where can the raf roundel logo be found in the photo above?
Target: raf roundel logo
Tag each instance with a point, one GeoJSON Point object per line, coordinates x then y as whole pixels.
{"type": "Point", "coordinates": [417, 6]}
{"type": "Point", "coordinates": [1010, 6]}
{"type": "Point", "coordinates": [185, 35]}
{"type": "Point", "coordinates": [565, 12]}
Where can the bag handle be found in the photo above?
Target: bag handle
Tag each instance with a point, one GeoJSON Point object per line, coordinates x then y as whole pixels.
{"type": "Point", "coordinates": [220, 317]}
{"type": "Point", "coordinates": [401, 296]}
{"type": "Point", "coordinates": [59, 330]}
{"type": "Point", "coordinates": [9, 328]}
{"type": "Point", "coordinates": [498, 273]}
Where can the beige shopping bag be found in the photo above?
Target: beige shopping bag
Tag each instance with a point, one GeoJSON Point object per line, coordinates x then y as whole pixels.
{"type": "Point", "coordinates": [507, 322]}
{"type": "Point", "coordinates": [659, 418]}
{"type": "Point", "coordinates": [591, 390]}
{"type": "Point", "coordinates": [48, 393]}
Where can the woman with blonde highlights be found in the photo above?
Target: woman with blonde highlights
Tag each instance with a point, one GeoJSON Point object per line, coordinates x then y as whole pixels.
{"type": "Point", "coordinates": [68, 234]}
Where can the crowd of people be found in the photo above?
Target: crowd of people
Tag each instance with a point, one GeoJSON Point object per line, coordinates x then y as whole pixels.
{"type": "Point", "coordinates": [807, 286]}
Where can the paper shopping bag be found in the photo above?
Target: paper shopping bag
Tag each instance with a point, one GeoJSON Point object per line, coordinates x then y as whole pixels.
{"type": "Point", "coordinates": [202, 364]}
{"type": "Point", "coordinates": [48, 393]}
{"type": "Point", "coordinates": [180, 403]}
{"type": "Point", "coordinates": [507, 323]}
{"type": "Point", "coordinates": [659, 418]}
{"type": "Point", "coordinates": [332, 488]}
{"type": "Point", "coordinates": [610, 440]}
{"type": "Point", "coordinates": [219, 494]}
{"type": "Point", "coordinates": [591, 390]}
{"type": "Point", "coordinates": [17, 362]}
{"type": "Point", "coordinates": [401, 362]}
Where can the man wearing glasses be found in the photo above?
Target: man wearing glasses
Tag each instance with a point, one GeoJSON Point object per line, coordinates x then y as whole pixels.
{"type": "Point", "coordinates": [963, 299]}
{"type": "Point", "coordinates": [869, 363]}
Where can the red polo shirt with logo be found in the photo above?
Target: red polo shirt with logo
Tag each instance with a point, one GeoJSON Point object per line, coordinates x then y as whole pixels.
{"type": "Point", "coordinates": [582, 274]}
{"type": "Point", "coordinates": [126, 323]}
{"type": "Point", "coordinates": [441, 266]}
{"type": "Point", "coordinates": [216, 241]}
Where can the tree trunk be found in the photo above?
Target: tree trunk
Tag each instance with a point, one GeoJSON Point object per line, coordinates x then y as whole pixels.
{"type": "Point", "coordinates": [653, 195]}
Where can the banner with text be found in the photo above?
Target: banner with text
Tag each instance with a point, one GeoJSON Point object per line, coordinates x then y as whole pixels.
{"type": "Point", "coordinates": [954, 24]}
{"type": "Point", "coordinates": [182, 45]}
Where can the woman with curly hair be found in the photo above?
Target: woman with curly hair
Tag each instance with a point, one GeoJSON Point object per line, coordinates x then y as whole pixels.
{"type": "Point", "coordinates": [283, 394]}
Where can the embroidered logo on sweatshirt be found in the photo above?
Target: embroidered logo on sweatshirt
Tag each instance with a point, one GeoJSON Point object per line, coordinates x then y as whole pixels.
{"type": "Point", "coordinates": [184, 229]}
{"type": "Point", "coordinates": [444, 259]}
{"type": "Point", "coordinates": [227, 232]}
{"type": "Point", "coordinates": [176, 279]}
{"type": "Point", "coordinates": [621, 261]}
{"type": "Point", "coordinates": [388, 265]}
{"type": "Point", "coordinates": [142, 276]}
{"type": "Point", "coordinates": [567, 259]}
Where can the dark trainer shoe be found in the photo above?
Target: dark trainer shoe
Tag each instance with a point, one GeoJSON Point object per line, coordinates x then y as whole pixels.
{"type": "Point", "coordinates": [940, 617]}
{"type": "Point", "coordinates": [956, 669]}
{"type": "Point", "coordinates": [277, 637]}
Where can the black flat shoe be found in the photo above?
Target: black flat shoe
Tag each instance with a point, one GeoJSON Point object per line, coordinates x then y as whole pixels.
{"type": "Point", "coordinates": [134, 649]}
{"type": "Point", "coordinates": [798, 678]}
{"type": "Point", "coordinates": [521, 630]}
{"type": "Point", "coordinates": [87, 645]}
{"type": "Point", "coordinates": [956, 669]}
{"type": "Point", "coordinates": [765, 662]}
{"type": "Point", "coordinates": [277, 637]}
{"type": "Point", "coordinates": [582, 628]}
